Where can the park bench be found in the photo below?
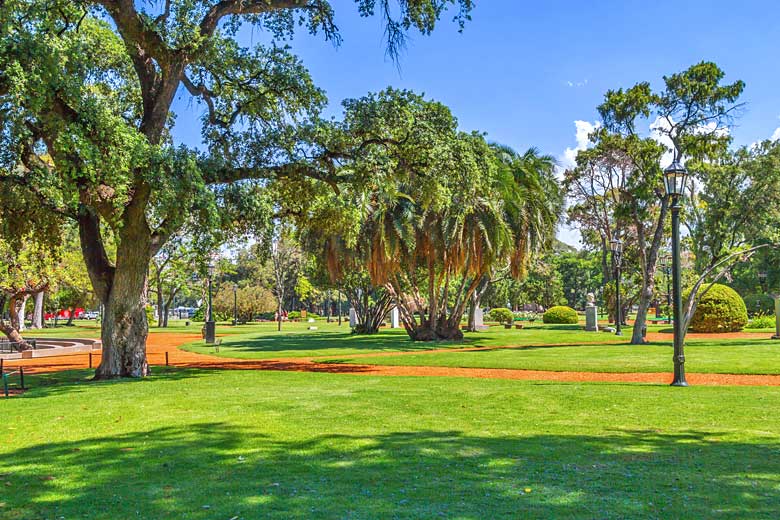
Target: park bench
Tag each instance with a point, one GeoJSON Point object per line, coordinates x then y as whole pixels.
{"type": "Point", "coordinates": [7, 377]}
{"type": "Point", "coordinates": [660, 319]}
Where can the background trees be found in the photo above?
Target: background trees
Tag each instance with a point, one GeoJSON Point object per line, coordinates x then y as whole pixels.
{"type": "Point", "coordinates": [87, 133]}
{"type": "Point", "coordinates": [619, 180]}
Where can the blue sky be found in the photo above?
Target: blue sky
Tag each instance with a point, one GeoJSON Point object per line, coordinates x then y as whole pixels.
{"type": "Point", "coordinates": [524, 72]}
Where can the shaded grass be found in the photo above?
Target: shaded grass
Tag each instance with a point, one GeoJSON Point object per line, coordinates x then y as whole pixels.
{"type": "Point", "coordinates": [248, 445]}
{"type": "Point", "coordinates": [734, 356]}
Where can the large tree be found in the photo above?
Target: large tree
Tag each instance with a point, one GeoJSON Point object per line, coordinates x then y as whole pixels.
{"type": "Point", "coordinates": [86, 90]}
{"type": "Point", "coordinates": [436, 209]}
{"type": "Point", "coordinates": [692, 114]}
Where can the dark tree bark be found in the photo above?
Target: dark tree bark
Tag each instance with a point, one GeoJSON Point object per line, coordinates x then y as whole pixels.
{"type": "Point", "coordinates": [371, 306]}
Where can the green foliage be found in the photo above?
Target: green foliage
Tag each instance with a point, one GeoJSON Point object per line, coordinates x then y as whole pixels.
{"type": "Point", "coordinates": [761, 321]}
{"type": "Point", "coordinates": [149, 310]}
{"type": "Point", "coordinates": [759, 304]}
{"type": "Point", "coordinates": [720, 309]}
{"type": "Point", "coordinates": [249, 301]}
{"type": "Point", "coordinates": [501, 315]}
{"type": "Point", "coordinates": [560, 314]}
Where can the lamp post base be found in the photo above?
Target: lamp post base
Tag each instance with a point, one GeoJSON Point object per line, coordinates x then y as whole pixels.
{"type": "Point", "coordinates": [775, 337]}
{"type": "Point", "coordinates": [679, 383]}
{"type": "Point", "coordinates": [211, 332]}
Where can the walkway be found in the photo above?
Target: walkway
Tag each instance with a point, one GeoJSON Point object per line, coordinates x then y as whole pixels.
{"type": "Point", "coordinates": [161, 343]}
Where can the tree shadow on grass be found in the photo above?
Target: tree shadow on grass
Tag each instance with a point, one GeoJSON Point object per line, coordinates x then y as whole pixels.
{"type": "Point", "coordinates": [218, 470]}
{"type": "Point", "coordinates": [74, 381]}
{"type": "Point", "coordinates": [327, 340]}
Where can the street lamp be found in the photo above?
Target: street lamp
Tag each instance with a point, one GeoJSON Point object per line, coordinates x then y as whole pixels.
{"type": "Point", "coordinates": [235, 304]}
{"type": "Point", "coordinates": [617, 252]}
{"type": "Point", "coordinates": [675, 176]}
{"type": "Point", "coordinates": [211, 329]}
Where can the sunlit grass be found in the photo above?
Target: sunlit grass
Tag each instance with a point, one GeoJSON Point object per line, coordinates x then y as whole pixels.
{"type": "Point", "coordinates": [246, 445]}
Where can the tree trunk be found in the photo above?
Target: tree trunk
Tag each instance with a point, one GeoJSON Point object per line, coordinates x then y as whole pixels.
{"type": "Point", "coordinates": [279, 316]}
{"type": "Point", "coordinates": [14, 336]}
{"type": "Point", "coordinates": [122, 290]}
{"type": "Point", "coordinates": [37, 317]}
{"type": "Point", "coordinates": [71, 314]}
{"type": "Point", "coordinates": [160, 306]}
{"type": "Point", "coordinates": [645, 298]}
{"type": "Point", "coordinates": [21, 312]}
{"type": "Point", "coordinates": [443, 332]}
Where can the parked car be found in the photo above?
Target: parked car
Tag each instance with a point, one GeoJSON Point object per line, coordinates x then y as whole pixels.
{"type": "Point", "coordinates": [91, 315]}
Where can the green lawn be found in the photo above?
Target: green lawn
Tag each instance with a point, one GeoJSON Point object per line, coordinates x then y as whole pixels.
{"type": "Point", "coordinates": [263, 341]}
{"type": "Point", "coordinates": [726, 357]}
{"type": "Point", "coordinates": [247, 445]}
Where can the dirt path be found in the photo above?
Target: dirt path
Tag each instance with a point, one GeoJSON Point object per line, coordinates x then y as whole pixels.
{"type": "Point", "coordinates": [161, 343]}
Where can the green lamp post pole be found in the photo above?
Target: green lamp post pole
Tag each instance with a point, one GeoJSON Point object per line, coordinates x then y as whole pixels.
{"type": "Point", "coordinates": [674, 181]}
{"type": "Point", "coordinates": [617, 252]}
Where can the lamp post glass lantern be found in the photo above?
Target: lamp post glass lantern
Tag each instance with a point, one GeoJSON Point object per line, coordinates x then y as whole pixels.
{"type": "Point", "coordinates": [617, 252]}
{"type": "Point", "coordinates": [675, 179]}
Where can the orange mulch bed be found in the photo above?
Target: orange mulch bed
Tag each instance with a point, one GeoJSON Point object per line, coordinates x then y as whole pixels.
{"type": "Point", "coordinates": [160, 343]}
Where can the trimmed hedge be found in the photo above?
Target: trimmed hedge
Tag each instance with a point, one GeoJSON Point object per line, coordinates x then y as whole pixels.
{"type": "Point", "coordinates": [501, 315]}
{"type": "Point", "coordinates": [721, 309]}
{"type": "Point", "coordinates": [560, 314]}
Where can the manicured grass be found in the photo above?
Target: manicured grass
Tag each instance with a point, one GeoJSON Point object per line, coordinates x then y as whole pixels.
{"type": "Point", "coordinates": [264, 341]}
{"type": "Point", "coordinates": [727, 357]}
{"type": "Point", "coordinates": [295, 341]}
{"type": "Point", "coordinates": [246, 445]}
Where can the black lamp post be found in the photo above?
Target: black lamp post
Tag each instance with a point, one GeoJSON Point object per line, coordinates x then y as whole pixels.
{"type": "Point", "coordinates": [617, 252]}
{"type": "Point", "coordinates": [235, 304]}
{"type": "Point", "coordinates": [675, 177]}
{"type": "Point", "coordinates": [211, 329]}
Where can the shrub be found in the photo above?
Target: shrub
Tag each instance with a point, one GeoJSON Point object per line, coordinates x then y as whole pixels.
{"type": "Point", "coordinates": [759, 304]}
{"type": "Point", "coordinates": [761, 321]}
{"type": "Point", "coordinates": [560, 314]}
{"type": "Point", "coordinates": [150, 314]}
{"type": "Point", "coordinates": [501, 315]}
{"type": "Point", "coordinates": [721, 309]}
{"type": "Point", "coordinates": [294, 315]}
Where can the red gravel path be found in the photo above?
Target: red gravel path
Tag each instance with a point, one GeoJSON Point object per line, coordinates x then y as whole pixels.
{"type": "Point", "coordinates": [160, 343]}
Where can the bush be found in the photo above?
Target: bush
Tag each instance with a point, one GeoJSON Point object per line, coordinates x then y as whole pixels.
{"type": "Point", "coordinates": [150, 315]}
{"type": "Point", "coordinates": [560, 314]}
{"type": "Point", "coordinates": [759, 304]}
{"type": "Point", "coordinates": [721, 309]}
{"type": "Point", "coordinates": [501, 315]}
{"type": "Point", "coordinates": [761, 321]}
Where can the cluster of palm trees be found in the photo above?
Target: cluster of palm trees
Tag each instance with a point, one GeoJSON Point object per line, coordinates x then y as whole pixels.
{"type": "Point", "coordinates": [431, 235]}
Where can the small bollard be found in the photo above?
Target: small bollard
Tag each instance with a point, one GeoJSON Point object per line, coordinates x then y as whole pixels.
{"type": "Point", "coordinates": [166, 358]}
{"type": "Point", "coordinates": [90, 360]}
{"type": "Point", "coordinates": [21, 377]}
{"type": "Point", "coordinates": [1, 367]}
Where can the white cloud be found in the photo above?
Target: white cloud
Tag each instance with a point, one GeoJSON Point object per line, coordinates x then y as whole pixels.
{"type": "Point", "coordinates": [577, 84]}
{"type": "Point", "coordinates": [658, 127]}
{"type": "Point", "coordinates": [583, 130]}
{"type": "Point", "coordinates": [775, 135]}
